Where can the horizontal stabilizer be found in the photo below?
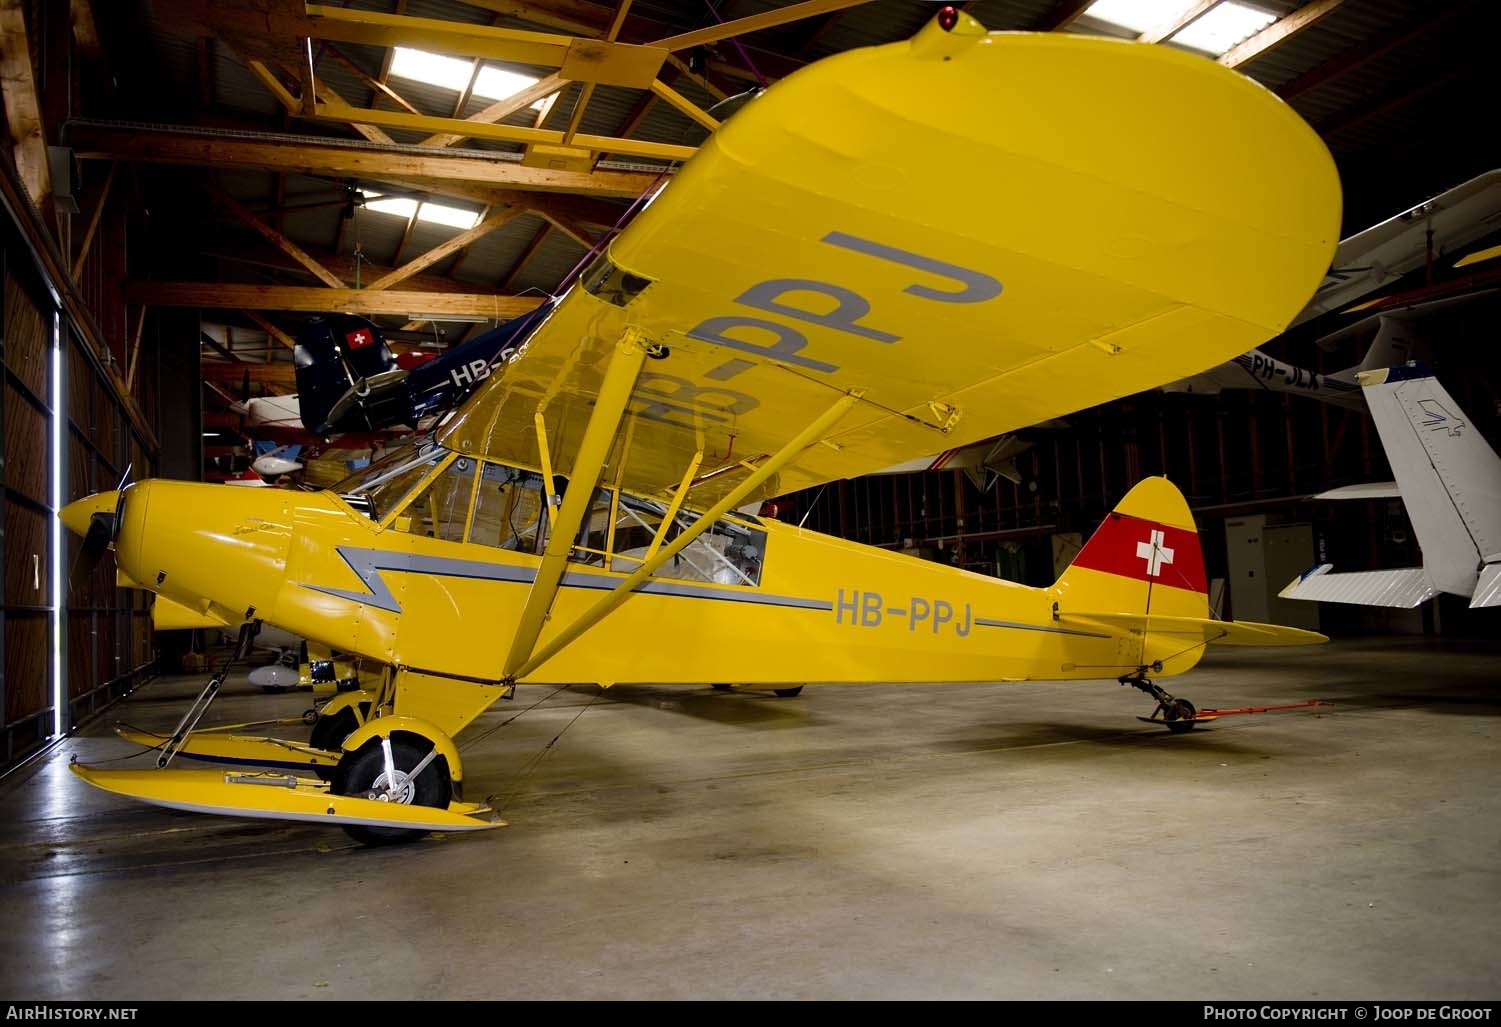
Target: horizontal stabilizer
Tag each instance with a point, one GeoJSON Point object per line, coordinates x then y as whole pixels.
{"type": "Point", "coordinates": [1488, 588]}
{"type": "Point", "coordinates": [1365, 490]}
{"type": "Point", "coordinates": [1402, 589]}
{"type": "Point", "coordinates": [1221, 632]}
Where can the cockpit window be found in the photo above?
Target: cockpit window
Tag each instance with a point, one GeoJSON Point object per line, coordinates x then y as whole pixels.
{"type": "Point", "coordinates": [510, 510]}
{"type": "Point", "coordinates": [727, 553]}
{"type": "Point", "coordinates": [441, 510]}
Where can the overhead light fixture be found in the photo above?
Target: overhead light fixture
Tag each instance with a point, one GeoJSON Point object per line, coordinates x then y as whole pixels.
{"type": "Point", "coordinates": [426, 210]}
{"type": "Point", "coordinates": [1223, 26]}
{"type": "Point", "coordinates": [1137, 15]}
{"type": "Point", "coordinates": [475, 319]}
{"type": "Point", "coordinates": [454, 74]}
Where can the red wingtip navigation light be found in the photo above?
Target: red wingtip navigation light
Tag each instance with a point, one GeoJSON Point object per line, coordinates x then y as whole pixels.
{"type": "Point", "coordinates": [948, 17]}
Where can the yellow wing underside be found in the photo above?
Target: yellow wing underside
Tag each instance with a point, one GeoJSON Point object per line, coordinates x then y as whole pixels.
{"type": "Point", "coordinates": [977, 233]}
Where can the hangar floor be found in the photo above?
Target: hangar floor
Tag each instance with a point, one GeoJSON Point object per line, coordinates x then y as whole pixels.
{"type": "Point", "coordinates": [1024, 841]}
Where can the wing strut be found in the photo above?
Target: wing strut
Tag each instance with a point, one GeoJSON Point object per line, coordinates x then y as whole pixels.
{"type": "Point", "coordinates": [771, 465]}
{"type": "Point", "coordinates": [594, 449]}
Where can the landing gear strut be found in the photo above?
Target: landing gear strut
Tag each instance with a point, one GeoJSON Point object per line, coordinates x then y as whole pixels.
{"type": "Point", "coordinates": [1173, 713]}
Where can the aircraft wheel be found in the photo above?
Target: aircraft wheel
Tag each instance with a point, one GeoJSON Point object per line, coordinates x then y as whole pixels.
{"type": "Point", "coordinates": [1178, 715]}
{"type": "Point", "coordinates": [721, 688]}
{"type": "Point", "coordinates": [329, 733]}
{"type": "Point", "coordinates": [363, 773]}
{"type": "Point", "coordinates": [788, 693]}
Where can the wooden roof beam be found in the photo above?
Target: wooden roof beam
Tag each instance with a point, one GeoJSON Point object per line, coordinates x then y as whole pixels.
{"type": "Point", "coordinates": [1157, 33]}
{"type": "Point", "coordinates": [342, 266]}
{"type": "Point", "coordinates": [271, 330]}
{"type": "Point", "coordinates": [501, 109]}
{"type": "Point", "coordinates": [278, 372]}
{"type": "Point", "coordinates": [526, 255]}
{"type": "Point", "coordinates": [224, 295]}
{"type": "Point", "coordinates": [455, 39]}
{"type": "Point", "coordinates": [1277, 33]}
{"type": "Point", "coordinates": [443, 249]}
{"type": "Point", "coordinates": [374, 83]}
{"type": "Point", "coordinates": [325, 157]}
{"type": "Point", "coordinates": [498, 133]}
{"type": "Point", "coordinates": [278, 240]}
{"type": "Point", "coordinates": [23, 112]}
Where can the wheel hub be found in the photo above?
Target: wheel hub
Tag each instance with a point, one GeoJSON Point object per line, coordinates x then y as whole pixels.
{"type": "Point", "coordinates": [382, 790]}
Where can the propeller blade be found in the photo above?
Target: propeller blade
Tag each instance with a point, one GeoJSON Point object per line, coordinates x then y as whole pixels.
{"type": "Point", "coordinates": [96, 543]}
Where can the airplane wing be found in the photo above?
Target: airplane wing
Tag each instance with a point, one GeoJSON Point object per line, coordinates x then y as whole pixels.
{"type": "Point", "coordinates": [1402, 588]}
{"type": "Point", "coordinates": [976, 232]}
{"type": "Point", "coordinates": [1219, 632]}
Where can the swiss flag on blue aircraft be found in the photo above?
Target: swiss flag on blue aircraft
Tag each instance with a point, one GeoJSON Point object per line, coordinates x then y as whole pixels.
{"type": "Point", "coordinates": [359, 338]}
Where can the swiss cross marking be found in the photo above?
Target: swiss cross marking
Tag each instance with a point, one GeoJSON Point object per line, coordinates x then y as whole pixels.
{"type": "Point", "coordinates": [1154, 553]}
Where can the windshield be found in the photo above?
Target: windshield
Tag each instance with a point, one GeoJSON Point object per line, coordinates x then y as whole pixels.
{"type": "Point", "coordinates": [386, 482]}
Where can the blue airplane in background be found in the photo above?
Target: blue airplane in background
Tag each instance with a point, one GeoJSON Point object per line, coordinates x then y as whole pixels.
{"type": "Point", "coordinates": [349, 380]}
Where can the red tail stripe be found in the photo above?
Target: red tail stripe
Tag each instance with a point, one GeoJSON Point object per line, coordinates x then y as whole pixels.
{"type": "Point", "coordinates": [1123, 545]}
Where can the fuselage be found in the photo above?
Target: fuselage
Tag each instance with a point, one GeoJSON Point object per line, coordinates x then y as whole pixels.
{"type": "Point", "coordinates": [435, 580]}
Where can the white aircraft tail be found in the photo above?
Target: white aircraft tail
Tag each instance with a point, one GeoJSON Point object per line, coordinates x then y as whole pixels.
{"type": "Point", "coordinates": [1450, 481]}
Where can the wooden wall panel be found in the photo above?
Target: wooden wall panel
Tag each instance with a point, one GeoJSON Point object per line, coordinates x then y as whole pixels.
{"type": "Point", "coordinates": [26, 563]}
{"type": "Point", "coordinates": [28, 338]}
{"type": "Point", "coordinates": [25, 446]}
{"type": "Point", "coordinates": [28, 640]}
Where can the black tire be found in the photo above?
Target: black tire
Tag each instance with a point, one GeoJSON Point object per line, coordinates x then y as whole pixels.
{"type": "Point", "coordinates": [721, 688]}
{"type": "Point", "coordinates": [788, 693]}
{"type": "Point", "coordinates": [1179, 715]}
{"type": "Point", "coordinates": [329, 733]}
{"type": "Point", "coordinates": [359, 771]}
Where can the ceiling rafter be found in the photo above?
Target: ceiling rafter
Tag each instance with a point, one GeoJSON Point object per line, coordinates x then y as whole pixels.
{"type": "Point", "coordinates": [502, 109]}
{"type": "Point", "coordinates": [276, 238]}
{"type": "Point", "coordinates": [499, 133]}
{"type": "Point", "coordinates": [269, 327]}
{"type": "Point", "coordinates": [233, 295]}
{"type": "Point", "coordinates": [345, 267]}
{"type": "Point", "coordinates": [23, 112]}
{"type": "Point", "coordinates": [378, 87]}
{"type": "Point", "coordinates": [1277, 33]}
{"type": "Point", "coordinates": [443, 249]}
{"type": "Point", "coordinates": [1157, 33]}
{"type": "Point", "coordinates": [576, 117]}
{"type": "Point", "coordinates": [526, 255]}
{"type": "Point", "coordinates": [439, 171]}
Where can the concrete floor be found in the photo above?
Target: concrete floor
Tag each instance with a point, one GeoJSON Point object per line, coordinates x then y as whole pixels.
{"type": "Point", "coordinates": [955, 841]}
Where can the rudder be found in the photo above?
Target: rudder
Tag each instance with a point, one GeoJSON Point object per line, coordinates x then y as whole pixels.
{"type": "Point", "coordinates": [1144, 558]}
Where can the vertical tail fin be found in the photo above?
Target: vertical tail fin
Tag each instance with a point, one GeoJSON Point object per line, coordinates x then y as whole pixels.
{"type": "Point", "coordinates": [1144, 558]}
{"type": "Point", "coordinates": [1450, 478]}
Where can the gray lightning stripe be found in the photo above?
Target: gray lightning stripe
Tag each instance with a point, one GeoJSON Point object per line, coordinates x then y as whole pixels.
{"type": "Point", "coordinates": [368, 564]}
{"type": "Point", "coordinates": [982, 622]}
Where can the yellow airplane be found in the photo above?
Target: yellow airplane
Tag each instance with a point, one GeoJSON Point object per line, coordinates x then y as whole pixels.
{"type": "Point", "coordinates": [897, 250]}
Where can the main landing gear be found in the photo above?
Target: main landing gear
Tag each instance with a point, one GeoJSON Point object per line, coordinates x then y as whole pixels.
{"type": "Point", "coordinates": [1175, 714]}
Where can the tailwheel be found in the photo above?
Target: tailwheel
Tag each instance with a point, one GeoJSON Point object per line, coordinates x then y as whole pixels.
{"type": "Point", "coordinates": [1175, 714]}
{"type": "Point", "coordinates": [1179, 715]}
{"type": "Point", "coordinates": [720, 687]}
{"type": "Point", "coordinates": [788, 693]}
{"type": "Point", "coordinates": [403, 769]}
